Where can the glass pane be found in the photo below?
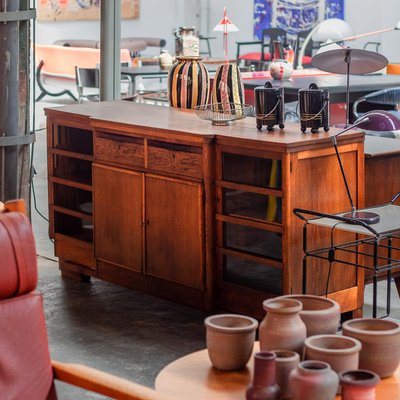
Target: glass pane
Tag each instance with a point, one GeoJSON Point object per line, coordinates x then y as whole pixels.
{"type": "Point", "coordinates": [73, 139]}
{"type": "Point", "coordinates": [73, 198]}
{"type": "Point", "coordinates": [252, 205]}
{"type": "Point", "coordinates": [78, 228]}
{"type": "Point", "coordinates": [255, 171]}
{"type": "Point", "coordinates": [250, 274]}
{"type": "Point", "coordinates": [253, 240]}
{"type": "Point", "coordinates": [73, 169]}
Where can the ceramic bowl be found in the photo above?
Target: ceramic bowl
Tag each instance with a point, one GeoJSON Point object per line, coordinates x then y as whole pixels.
{"type": "Point", "coordinates": [230, 340]}
{"type": "Point", "coordinates": [340, 352]}
{"type": "Point", "coordinates": [380, 340]}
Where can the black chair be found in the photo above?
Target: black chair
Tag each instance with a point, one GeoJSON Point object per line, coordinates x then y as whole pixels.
{"type": "Point", "coordinates": [266, 50]}
{"type": "Point", "coordinates": [309, 50]}
{"type": "Point", "coordinates": [87, 78]}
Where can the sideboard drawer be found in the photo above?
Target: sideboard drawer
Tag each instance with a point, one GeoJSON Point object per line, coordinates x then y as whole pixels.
{"type": "Point", "coordinates": [175, 158]}
{"type": "Point", "coordinates": [119, 149]}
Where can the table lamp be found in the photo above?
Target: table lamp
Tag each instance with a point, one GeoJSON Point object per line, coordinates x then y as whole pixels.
{"type": "Point", "coordinates": [378, 120]}
{"type": "Point", "coordinates": [333, 29]}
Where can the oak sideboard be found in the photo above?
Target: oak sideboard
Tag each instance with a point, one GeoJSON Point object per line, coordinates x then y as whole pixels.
{"type": "Point", "coordinates": [157, 200]}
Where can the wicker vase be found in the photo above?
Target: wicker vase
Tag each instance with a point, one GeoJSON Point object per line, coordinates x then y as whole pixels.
{"type": "Point", "coordinates": [188, 83]}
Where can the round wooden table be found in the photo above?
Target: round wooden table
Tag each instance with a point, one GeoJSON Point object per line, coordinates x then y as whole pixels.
{"type": "Point", "coordinates": [192, 377]}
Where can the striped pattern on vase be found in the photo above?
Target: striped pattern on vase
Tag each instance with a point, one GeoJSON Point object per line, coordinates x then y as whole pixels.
{"type": "Point", "coordinates": [188, 83]}
{"type": "Point", "coordinates": [228, 86]}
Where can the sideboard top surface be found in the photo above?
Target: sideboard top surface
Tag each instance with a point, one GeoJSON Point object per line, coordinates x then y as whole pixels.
{"type": "Point", "coordinates": [141, 118]}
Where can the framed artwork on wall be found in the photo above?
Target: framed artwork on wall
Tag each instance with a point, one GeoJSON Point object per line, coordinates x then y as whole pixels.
{"type": "Point", "coordinates": [294, 16]}
{"type": "Point", "coordinates": [64, 10]}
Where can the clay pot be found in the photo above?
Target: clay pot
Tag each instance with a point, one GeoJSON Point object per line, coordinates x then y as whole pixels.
{"type": "Point", "coordinates": [380, 343]}
{"type": "Point", "coordinates": [320, 314]}
{"type": "Point", "coordinates": [282, 327]}
{"type": "Point", "coordinates": [264, 386]}
{"type": "Point", "coordinates": [285, 361]}
{"type": "Point", "coordinates": [230, 340]}
{"type": "Point", "coordinates": [340, 352]}
{"type": "Point", "coordinates": [313, 380]}
{"type": "Point", "coordinates": [358, 385]}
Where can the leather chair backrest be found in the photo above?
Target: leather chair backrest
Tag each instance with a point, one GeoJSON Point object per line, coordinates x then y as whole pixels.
{"type": "Point", "coordinates": [25, 366]}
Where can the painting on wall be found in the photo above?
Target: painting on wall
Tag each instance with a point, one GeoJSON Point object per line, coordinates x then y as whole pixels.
{"type": "Point", "coordinates": [61, 10]}
{"type": "Point", "coordinates": [294, 16]}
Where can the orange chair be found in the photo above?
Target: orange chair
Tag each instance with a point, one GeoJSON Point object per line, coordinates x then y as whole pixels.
{"type": "Point", "coordinates": [56, 66]}
{"type": "Point", "coordinates": [26, 370]}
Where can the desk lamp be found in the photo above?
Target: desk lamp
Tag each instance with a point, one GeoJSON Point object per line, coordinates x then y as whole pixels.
{"type": "Point", "coordinates": [378, 120]}
{"type": "Point", "coordinates": [333, 29]}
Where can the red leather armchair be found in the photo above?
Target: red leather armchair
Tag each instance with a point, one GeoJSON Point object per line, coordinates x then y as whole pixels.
{"type": "Point", "coordinates": [26, 370]}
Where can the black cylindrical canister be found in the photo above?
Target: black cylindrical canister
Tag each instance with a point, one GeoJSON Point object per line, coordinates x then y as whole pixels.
{"type": "Point", "coordinates": [314, 108]}
{"type": "Point", "coordinates": [269, 104]}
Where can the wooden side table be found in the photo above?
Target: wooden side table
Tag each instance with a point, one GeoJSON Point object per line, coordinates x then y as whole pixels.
{"type": "Point", "coordinates": [192, 377]}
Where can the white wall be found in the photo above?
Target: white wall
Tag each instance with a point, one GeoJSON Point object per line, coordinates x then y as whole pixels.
{"type": "Point", "coordinates": [159, 18]}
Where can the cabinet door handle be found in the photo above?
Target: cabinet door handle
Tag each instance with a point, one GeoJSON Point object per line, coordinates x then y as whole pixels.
{"type": "Point", "coordinates": [145, 222]}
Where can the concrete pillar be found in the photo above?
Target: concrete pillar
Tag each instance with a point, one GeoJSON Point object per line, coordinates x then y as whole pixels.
{"type": "Point", "coordinates": [110, 50]}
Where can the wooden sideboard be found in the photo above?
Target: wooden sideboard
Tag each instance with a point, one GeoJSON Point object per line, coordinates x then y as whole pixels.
{"type": "Point", "coordinates": [157, 200]}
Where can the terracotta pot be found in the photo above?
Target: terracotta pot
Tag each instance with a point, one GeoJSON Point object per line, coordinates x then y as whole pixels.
{"type": "Point", "coordinates": [264, 386]}
{"type": "Point", "coordinates": [313, 380]}
{"type": "Point", "coordinates": [285, 361]}
{"type": "Point", "coordinates": [320, 314]}
{"type": "Point", "coordinates": [380, 343]}
{"type": "Point", "coordinates": [188, 83]}
{"type": "Point", "coordinates": [230, 340]}
{"type": "Point", "coordinates": [340, 352]}
{"type": "Point", "coordinates": [358, 385]}
{"type": "Point", "coordinates": [282, 327]}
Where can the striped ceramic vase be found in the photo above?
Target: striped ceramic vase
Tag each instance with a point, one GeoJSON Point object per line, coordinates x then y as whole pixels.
{"type": "Point", "coordinates": [188, 83]}
{"type": "Point", "coordinates": [228, 86]}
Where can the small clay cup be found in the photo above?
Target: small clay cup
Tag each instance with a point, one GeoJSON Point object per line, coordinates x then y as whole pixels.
{"type": "Point", "coordinates": [340, 352]}
{"type": "Point", "coordinates": [285, 361]}
{"type": "Point", "coordinates": [313, 380]}
{"type": "Point", "coordinates": [230, 340]}
{"type": "Point", "coordinates": [320, 314]}
{"type": "Point", "coordinates": [358, 385]}
{"type": "Point", "coordinates": [380, 340]}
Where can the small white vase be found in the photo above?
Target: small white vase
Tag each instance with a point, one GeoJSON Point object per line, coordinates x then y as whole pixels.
{"type": "Point", "coordinates": [165, 59]}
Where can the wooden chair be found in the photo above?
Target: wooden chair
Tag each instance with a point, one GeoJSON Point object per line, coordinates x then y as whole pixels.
{"type": "Point", "coordinates": [26, 370]}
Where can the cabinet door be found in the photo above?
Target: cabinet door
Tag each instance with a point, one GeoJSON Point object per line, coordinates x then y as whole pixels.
{"type": "Point", "coordinates": [174, 230]}
{"type": "Point", "coordinates": [118, 216]}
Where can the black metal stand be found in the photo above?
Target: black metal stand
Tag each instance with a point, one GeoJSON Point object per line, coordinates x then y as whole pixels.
{"type": "Point", "coordinates": [378, 240]}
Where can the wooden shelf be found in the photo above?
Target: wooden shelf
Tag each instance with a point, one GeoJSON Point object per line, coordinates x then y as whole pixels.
{"type": "Point", "coordinates": [71, 154]}
{"type": "Point", "coordinates": [71, 183]}
{"type": "Point", "coordinates": [74, 213]}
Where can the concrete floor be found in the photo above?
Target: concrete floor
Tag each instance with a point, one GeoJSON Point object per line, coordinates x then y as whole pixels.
{"type": "Point", "coordinates": [129, 334]}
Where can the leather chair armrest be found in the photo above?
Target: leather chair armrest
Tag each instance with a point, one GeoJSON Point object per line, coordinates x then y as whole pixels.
{"type": "Point", "coordinates": [13, 205]}
{"type": "Point", "coordinates": [101, 382]}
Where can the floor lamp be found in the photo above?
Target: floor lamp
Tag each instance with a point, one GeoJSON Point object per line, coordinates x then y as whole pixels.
{"type": "Point", "coordinates": [373, 120]}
